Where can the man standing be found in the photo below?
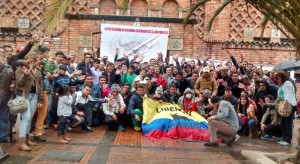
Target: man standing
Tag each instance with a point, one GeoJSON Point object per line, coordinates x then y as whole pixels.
{"type": "Point", "coordinates": [224, 125]}
{"type": "Point", "coordinates": [6, 78]}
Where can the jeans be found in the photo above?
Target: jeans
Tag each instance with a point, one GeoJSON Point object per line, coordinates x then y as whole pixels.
{"type": "Point", "coordinates": [134, 121]}
{"type": "Point", "coordinates": [49, 119]}
{"type": "Point", "coordinates": [4, 117]}
{"type": "Point", "coordinates": [62, 122]}
{"type": "Point", "coordinates": [286, 128]}
{"type": "Point", "coordinates": [27, 115]}
{"type": "Point", "coordinates": [47, 84]}
{"type": "Point", "coordinates": [251, 123]}
{"type": "Point", "coordinates": [115, 124]}
{"type": "Point", "coordinates": [273, 130]}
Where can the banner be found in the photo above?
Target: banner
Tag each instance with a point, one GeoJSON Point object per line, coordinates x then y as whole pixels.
{"type": "Point", "coordinates": [131, 40]}
{"type": "Point", "coordinates": [168, 120]}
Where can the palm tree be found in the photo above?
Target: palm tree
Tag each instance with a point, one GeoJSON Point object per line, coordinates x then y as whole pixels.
{"type": "Point", "coordinates": [284, 14]}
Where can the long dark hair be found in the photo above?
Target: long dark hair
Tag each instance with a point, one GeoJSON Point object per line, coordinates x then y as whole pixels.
{"type": "Point", "coordinates": [283, 76]}
{"type": "Point", "coordinates": [243, 109]}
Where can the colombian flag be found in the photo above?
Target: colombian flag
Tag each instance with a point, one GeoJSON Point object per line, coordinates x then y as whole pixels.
{"type": "Point", "coordinates": [169, 120]}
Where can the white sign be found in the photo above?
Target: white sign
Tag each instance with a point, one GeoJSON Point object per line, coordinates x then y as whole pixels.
{"type": "Point", "coordinates": [144, 41]}
{"type": "Point", "coordinates": [275, 33]}
{"type": "Point", "coordinates": [248, 32]}
{"type": "Point", "coordinates": [24, 23]}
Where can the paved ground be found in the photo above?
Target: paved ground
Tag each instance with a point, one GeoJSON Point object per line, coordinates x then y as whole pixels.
{"type": "Point", "coordinates": [104, 146]}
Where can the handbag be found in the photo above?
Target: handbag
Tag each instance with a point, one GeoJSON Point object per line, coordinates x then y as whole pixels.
{"type": "Point", "coordinates": [284, 110]}
{"type": "Point", "coordinates": [18, 105]}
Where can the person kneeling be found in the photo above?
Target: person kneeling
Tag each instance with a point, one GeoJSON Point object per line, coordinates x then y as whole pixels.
{"type": "Point", "coordinates": [224, 125]}
{"type": "Point", "coordinates": [114, 109]}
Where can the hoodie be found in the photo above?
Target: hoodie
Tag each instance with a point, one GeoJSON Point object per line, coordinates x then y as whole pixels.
{"type": "Point", "coordinates": [187, 104]}
{"type": "Point", "coordinates": [271, 89]}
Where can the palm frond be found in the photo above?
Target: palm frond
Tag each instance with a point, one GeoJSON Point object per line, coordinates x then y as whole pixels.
{"type": "Point", "coordinates": [124, 4]}
{"type": "Point", "coordinates": [192, 9]}
{"type": "Point", "coordinates": [264, 24]}
{"type": "Point", "coordinates": [217, 12]}
{"type": "Point", "coordinates": [55, 11]}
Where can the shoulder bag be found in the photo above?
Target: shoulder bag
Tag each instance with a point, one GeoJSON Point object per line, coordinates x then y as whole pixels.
{"type": "Point", "coordinates": [17, 105]}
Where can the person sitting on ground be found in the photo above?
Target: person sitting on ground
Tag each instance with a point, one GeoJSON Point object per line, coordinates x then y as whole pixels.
{"type": "Point", "coordinates": [270, 125]}
{"type": "Point", "coordinates": [246, 112]}
{"type": "Point", "coordinates": [82, 98]}
{"type": "Point", "coordinates": [172, 95]}
{"type": "Point", "coordinates": [158, 96]}
{"type": "Point", "coordinates": [188, 102]}
{"type": "Point", "coordinates": [114, 109]}
{"type": "Point", "coordinates": [64, 112]}
{"type": "Point", "coordinates": [224, 125]}
{"type": "Point", "coordinates": [135, 107]}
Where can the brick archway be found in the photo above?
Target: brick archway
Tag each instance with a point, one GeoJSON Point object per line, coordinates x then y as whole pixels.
{"type": "Point", "coordinates": [170, 9]}
{"type": "Point", "coordinates": [139, 8]}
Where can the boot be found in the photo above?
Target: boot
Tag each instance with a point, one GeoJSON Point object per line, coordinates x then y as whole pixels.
{"type": "Point", "coordinates": [62, 140]}
{"type": "Point", "coordinates": [66, 138]}
{"type": "Point", "coordinates": [23, 145]}
{"type": "Point", "coordinates": [251, 132]}
{"type": "Point", "coordinates": [28, 142]}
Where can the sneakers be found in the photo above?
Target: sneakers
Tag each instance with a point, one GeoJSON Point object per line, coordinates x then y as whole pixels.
{"type": "Point", "coordinates": [211, 144]}
{"type": "Point", "coordinates": [138, 129]}
{"type": "Point", "coordinates": [283, 143]}
{"type": "Point", "coordinates": [121, 128]}
{"type": "Point", "coordinates": [237, 137]}
{"type": "Point", "coordinates": [230, 142]}
{"type": "Point", "coordinates": [267, 137]}
{"type": "Point", "coordinates": [87, 129]}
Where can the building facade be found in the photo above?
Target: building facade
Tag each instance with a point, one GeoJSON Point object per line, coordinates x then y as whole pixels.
{"type": "Point", "coordinates": [236, 29]}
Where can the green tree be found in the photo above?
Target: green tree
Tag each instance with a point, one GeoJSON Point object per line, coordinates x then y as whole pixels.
{"type": "Point", "coordinates": [284, 14]}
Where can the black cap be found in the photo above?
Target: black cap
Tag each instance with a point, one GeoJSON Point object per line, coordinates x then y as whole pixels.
{"type": "Point", "coordinates": [63, 67]}
{"type": "Point", "coordinates": [215, 99]}
{"type": "Point", "coordinates": [72, 83]}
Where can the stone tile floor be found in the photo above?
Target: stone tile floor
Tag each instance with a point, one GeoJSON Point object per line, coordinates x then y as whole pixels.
{"type": "Point", "coordinates": [104, 146]}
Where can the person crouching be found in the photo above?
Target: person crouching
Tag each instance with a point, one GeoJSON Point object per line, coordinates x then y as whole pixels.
{"type": "Point", "coordinates": [64, 112]}
{"type": "Point", "coordinates": [114, 109]}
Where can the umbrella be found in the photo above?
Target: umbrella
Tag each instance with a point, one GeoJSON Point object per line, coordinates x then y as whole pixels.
{"type": "Point", "coordinates": [287, 65]}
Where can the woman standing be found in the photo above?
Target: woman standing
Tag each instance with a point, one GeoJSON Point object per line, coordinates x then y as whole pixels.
{"type": "Point", "coordinates": [287, 94]}
{"type": "Point", "coordinates": [28, 84]}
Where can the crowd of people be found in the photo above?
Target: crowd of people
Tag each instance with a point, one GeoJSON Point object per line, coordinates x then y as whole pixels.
{"type": "Point", "coordinates": [64, 93]}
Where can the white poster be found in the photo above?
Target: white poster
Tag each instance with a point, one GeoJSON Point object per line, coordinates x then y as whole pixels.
{"type": "Point", "coordinates": [145, 42]}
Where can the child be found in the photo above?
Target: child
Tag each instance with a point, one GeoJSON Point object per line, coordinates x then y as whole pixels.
{"type": "Point", "coordinates": [159, 95]}
{"type": "Point", "coordinates": [49, 67]}
{"type": "Point", "coordinates": [64, 111]}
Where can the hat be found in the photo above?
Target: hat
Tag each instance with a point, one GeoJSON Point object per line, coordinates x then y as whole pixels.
{"type": "Point", "coordinates": [115, 87]}
{"type": "Point", "coordinates": [224, 68]}
{"type": "Point", "coordinates": [119, 59]}
{"type": "Point", "coordinates": [215, 99]}
{"type": "Point", "coordinates": [206, 69]}
{"type": "Point", "coordinates": [159, 89]}
{"type": "Point", "coordinates": [136, 62]}
{"type": "Point", "coordinates": [63, 67]}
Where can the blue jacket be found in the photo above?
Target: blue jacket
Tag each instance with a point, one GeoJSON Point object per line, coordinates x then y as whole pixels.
{"type": "Point", "coordinates": [135, 102]}
{"type": "Point", "coordinates": [59, 80]}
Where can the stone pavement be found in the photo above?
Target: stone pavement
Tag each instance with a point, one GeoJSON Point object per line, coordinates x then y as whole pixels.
{"type": "Point", "coordinates": [104, 146]}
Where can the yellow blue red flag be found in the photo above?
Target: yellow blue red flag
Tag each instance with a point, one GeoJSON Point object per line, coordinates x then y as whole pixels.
{"type": "Point", "coordinates": [169, 120]}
